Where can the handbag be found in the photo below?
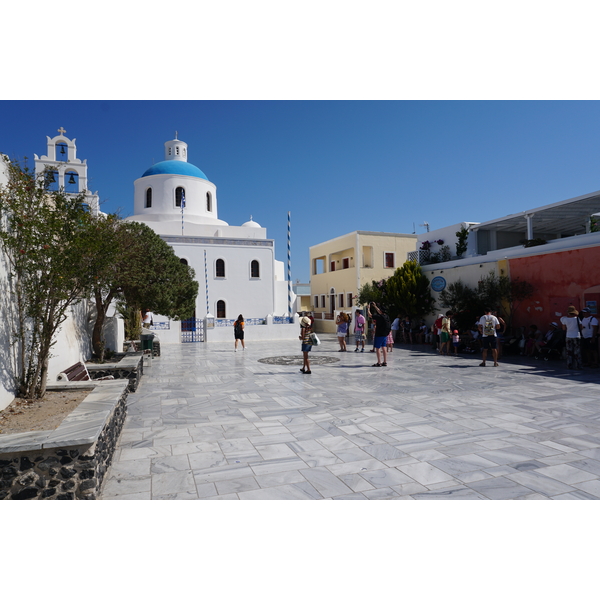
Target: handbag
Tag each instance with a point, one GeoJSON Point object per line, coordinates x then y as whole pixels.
{"type": "Point", "coordinates": [314, 340]}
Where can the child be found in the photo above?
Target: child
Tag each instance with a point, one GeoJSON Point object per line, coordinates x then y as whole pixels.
{"type": "Point", "coordinates": [455, 341]}
{"type": "Point", "coordinates": [390, 341]}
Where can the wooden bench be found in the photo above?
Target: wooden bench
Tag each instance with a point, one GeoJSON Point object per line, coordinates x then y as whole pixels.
{"type": "Point", "coordinates": [78, 372]}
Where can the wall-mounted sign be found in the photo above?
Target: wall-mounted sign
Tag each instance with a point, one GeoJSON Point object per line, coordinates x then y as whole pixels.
{"type": "Point", "coordinates": [593, 306]}
{"type": "Point", "coordinates": [438, 284]}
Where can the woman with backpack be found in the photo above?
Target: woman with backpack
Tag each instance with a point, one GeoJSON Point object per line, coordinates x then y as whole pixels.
{"type": "Point", "coordinates": [238, 332]}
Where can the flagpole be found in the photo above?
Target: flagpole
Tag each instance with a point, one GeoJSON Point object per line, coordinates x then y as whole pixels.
{"type": "Point", "coordinates": [206, 282]}
{"type": "Point", "coordinates": [289, 266]}
{"type": "Point", "coordinates": [182, 207]}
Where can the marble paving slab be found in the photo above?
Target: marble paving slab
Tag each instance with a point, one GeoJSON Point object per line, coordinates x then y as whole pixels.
{"type": "Point", "coordinates": [207, 423]}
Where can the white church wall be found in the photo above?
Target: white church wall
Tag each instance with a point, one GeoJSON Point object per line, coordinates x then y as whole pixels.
{"type": "Point", "coordinates": [242, 294]}
{"type": "Point", "coordinates": [114, 334]}
{"type": "Point", "coordinates": [163, 206]}
{"type": "Point", "coordinates": [263, 333]}
{"type": "Point", "coordinates": [8, 358]}
{"type": "Point", "coordinates": [73, 340]}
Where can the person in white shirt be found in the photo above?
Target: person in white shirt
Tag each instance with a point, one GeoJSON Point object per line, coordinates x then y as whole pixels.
{"type": "Point", "coordinates": [572, 326]}
{"type": "Point", "coordinates": [488, 324]}
{"type": "Point", "coordinates": [589, 343]}
{"type": "Point", "coordinates": [147, 318]}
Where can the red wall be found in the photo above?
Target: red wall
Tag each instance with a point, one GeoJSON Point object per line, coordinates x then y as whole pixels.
{"type": "Point", "coordinates": [560, 279]}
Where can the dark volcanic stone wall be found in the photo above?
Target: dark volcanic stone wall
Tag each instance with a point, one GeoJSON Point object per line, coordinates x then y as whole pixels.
{"type": "Point", "coordinates": [67, 473]}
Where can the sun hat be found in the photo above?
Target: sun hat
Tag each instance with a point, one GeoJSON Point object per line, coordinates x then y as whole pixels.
{"type": "Point", "coordinates": [304, 321]}
{"type": "Point", "coordinates": [572, 310]}
{"type": "Point", "coordinates": [585, 309]}
{"type": "Point", "coordinates": [554, 324]}
{"type": "Point", "coordinates": [455, 331]}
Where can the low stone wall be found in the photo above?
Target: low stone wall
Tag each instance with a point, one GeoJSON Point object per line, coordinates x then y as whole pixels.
{"type": "Point", "coordinates": [131, 367]}
{"type": "Point", "coordinates": [68, 463]}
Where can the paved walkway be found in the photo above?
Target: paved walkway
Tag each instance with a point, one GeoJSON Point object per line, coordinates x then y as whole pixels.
{"type": "Point", "coordinates": [208, 423]}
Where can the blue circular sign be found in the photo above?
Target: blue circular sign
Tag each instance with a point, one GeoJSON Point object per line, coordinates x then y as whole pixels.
{"type": "Point", "coordinates": [438, 284]}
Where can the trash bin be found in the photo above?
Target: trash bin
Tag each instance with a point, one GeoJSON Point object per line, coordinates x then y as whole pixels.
{"type": "Point", "coordinates": [147, 341]}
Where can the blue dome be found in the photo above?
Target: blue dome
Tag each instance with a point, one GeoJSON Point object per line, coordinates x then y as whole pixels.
{"type": "Point", "coordinates": [175, 167]}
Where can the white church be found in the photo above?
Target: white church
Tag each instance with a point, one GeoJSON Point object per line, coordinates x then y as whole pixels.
{"type": "Point", "coordinates": [235, 265]}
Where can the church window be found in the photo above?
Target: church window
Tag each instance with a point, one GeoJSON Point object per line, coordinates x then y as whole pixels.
{"type": "Point", "coordinates": [183, 261]}
{"type": "Point", "coordinates": [254, 269]}
{"type": "Point", "coordinates": [221, 313]}
{"type": "Point", "coordinates": [208, 202]}
{"type": "Point", "coordinates": [349, 299]}
{"type": "Point", "coordinates": [180, 197]}
{"type": "Point", "coordinates": [149, 198]}
{"type": "Point", "coordinates": [177, 150]}
{"type": "Point", "coordinates": [169, 151]}
{"type": "Point", "coordinates": [316, 301]}
{"type": "Point", "coordinates": [341, 300]}
{"type": "Point", "coordinates": [220, 268]}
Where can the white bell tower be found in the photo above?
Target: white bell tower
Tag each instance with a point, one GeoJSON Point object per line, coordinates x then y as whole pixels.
{"type": "Point", "coordinates": [64, 171]}
{"type": "Point", "coordinates": [176, 150]}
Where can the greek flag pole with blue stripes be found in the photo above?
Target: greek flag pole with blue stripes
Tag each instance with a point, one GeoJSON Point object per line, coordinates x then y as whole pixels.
{"type": "Point", "coordinates": [206, 282]}
{"type": "Point", "coordinates": [289, 269]}
{"type": "Point", "coordinates": [182, 207]}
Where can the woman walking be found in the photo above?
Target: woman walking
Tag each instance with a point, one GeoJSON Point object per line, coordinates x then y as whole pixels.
{"type": "Point", "coordinates": [238, 332]}
{"type": "Point", "coordinates": [305, 331]}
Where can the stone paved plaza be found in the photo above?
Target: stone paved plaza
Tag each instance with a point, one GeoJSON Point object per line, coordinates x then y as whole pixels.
{"type": "Point", "coordinates": [208, 423]}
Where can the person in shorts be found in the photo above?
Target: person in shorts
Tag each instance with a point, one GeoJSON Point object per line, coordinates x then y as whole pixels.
{"type": "Point", "coordinates": [455, 341]}
{"type": "Point", "coordinates": [305, 331]}
{"type": "Point", "coordinates": [382, 330]}
{"type": "Point", "coordinates": [488, 324]}
{"type": "Point", "coordinates": [446, 334]}
{"type": "Point", "coordinates": [238, 332]}
{"type": "Point", "coordinates": [359, 330]}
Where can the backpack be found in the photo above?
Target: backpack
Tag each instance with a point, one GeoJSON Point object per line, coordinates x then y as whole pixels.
{"type": "Point", "coordinates": [438, 323]}
{"type": "Point", "coordinates": [237, 326]}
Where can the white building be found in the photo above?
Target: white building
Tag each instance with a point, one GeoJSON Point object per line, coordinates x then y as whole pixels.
{"type": "Point", "coordinates": [235, 264]}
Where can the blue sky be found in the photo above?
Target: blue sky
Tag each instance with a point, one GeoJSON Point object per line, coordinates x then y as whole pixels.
{"type": "Point", "coordinates": [337, 166]}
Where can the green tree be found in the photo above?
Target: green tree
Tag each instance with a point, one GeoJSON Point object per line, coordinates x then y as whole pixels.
{"type": "Point", "coordinates": [408, 292]}
{"type": "Point", "coordinates": [463, 301]}
{"type": "Point", "coordinates": [461, 245]}
{"type": "Point", "coordinates": [371, 292]}
{"type": "Point", "coordinates": [502, 293]}
{"type": "Point", "coordinates": [143, 272]}
{"type": "Point", "coordinates": [45, 238]}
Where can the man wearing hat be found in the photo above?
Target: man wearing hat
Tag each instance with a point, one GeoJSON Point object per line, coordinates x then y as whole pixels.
{"type": "Point", "coordinates": [572, 326]}
{"type": "Point", "coordinates": [305, 331]}
{"type": "Point", "coordinates": [589, 342]}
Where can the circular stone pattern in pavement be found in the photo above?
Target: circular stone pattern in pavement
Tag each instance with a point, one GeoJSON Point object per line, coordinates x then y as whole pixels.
{"type": "Point", "coordinates": [297, 360]}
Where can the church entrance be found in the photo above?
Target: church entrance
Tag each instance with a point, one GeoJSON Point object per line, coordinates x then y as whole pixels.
{"type": "Point", "coordinates": [192, 330]}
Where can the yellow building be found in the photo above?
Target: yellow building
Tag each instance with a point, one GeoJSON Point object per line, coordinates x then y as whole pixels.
{"type": "Point", "coordinates": [339, 267]}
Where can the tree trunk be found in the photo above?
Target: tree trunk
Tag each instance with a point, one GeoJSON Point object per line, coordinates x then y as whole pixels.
{"type": "Point", "coordinates": [98, 345]}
